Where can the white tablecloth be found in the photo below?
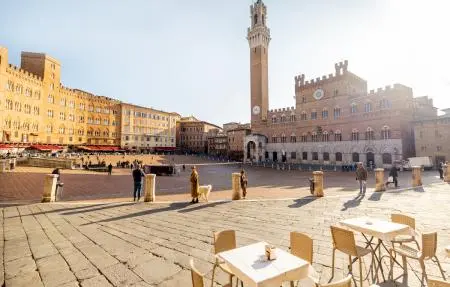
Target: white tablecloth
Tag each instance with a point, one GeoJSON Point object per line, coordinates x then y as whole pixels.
{"type": "Point", "coordinates": [249, 264]}
{"type": "Point", "coordinates": [382, 229]}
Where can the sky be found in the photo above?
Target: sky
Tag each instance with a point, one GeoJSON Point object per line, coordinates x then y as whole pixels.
{"type": "Point", "coordinates": [192, 57]}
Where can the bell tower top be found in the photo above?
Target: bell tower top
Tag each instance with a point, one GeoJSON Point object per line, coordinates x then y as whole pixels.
{"type": "Point", "coordinates": [258, 34]}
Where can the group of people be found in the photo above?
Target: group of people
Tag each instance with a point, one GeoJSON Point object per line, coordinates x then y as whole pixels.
{"type": "Point", "coordinates": [361, 177]}
{"type": "Point", "coordinates": [195, 184]}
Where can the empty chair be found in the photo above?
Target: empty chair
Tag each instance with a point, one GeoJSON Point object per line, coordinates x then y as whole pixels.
{"type": "Point", "coordinates": [428, 252]}
{"type": "Point", "coordinates": [406, 220]}
{"type": "Point", "coordinates": [344, 241]}
{"type": "Point", "coordinates": [346, 282]}
{"type": "Point", "coordinates": [438, 283]}
{"type": "Point", "coordinates": [223, 241]}
{"type": "Point", "coordinates": [302, 247]}
{"type": "Point", "coordinates": [197, 277]}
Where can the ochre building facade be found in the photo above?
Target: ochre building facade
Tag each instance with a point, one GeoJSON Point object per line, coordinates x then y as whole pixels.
{"type": "Point", "coordinates": [335, 119]}
{"type": "Point", "coordinates": [193, 134]}
{"type": "Point", "coordinates": [35, 108]}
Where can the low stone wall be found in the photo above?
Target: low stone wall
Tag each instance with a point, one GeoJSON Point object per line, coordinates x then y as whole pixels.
{"type": "Point", "coordinates": [48, 162]}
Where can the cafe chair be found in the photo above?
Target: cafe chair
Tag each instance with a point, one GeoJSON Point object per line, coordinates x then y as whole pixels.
{"type": "Point", "coordinates": [406, 220]}
{"type": "Point", "coordinates": [197, 277]}
{"type": "Point", "coordinates": [344, 241]}
{"type": "Point", "coordinates": [346, 282]}
{"type": "Point", "coordinates": [223, 241]}
{"type": "Point", "coordinates": [302, 247]}
{"type": "Point", "coordinates": [428, 252]}
{"type": "Point", "coordinates": [438, 283]}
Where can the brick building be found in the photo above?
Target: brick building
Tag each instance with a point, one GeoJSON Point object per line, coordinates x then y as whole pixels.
{"type": "Point", "coordinates": [236, 138]}
{"type": "Point", "coordinates": [36, 109]}
{"type": "Point", "coordinates": [147, 129]}
{"type": "Point", "coordinates": [432, 137]}
{"type": "Point", "coordinates": [193, 134]}
{"type": "Point", "coordinates": [218, 144]}
{"type": "Point", "coordinates": [334, 120]}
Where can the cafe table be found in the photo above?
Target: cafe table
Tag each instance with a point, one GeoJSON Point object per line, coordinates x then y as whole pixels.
{"type": "Point", "coordinates": [249, 264]}
{"type": "Point", "coordinates": [383, 230]}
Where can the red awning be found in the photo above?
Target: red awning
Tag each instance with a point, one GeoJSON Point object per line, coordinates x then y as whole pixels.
{"type": "Point", "coordinates": [46, 147]}
{"type": "Point", "coordinates": [5, 146]}
{"type": "Point", "coordinates": [100, 148]}
{"type": "Point", "coordinates": [165, 148]}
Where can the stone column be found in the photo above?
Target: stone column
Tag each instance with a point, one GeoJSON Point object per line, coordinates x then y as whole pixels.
{"type": "Point", "coordinates": [236, 185]}
{"type": "Point", "coordinates": [149, 187]}
{"type": "Point", "coordinates": [3, 164]}
{"type": "Point", "coordinates": [318, 183]}
{"type": "Point", "coordinates": [49, 188]}
{"type": "Point", "coordinates": [379, 180]}
{"type": "Point", "coordinates": [416, 176]}
{"type": "Point", "coordinates": [446, 173]}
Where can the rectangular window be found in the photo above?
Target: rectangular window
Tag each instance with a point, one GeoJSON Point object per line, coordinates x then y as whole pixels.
{"type": "Point", "coordinates": [337, 113]}
{"type": "Point", "coordinates": [325, 114]}
{"type": "Point", "coordinates": [315, 156]}
{"type": "Point", "coordinates": [305, 155]}
{"type": "Point", "coordinates": [313, 115]}
{"type": "Point", "coordinates": [293, 155]}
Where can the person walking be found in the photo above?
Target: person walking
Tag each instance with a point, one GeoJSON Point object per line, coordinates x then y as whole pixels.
{"type": "Point", "coordinates": [138, 174]}
{"type": "Point", "coordinates": [361, 176]}
{"type": "Point", "coordinates": [394, 174]}
{"type": "Point", "coordinates": [109, 169]}
{"type": "Point", "coordinates": [441, 170]}
{"type": "Point", "coordinates": [243, 183]}
{"type": "Point", "coordinates": [194, 185]}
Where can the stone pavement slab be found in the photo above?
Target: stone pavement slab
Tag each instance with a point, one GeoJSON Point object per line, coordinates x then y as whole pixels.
{"type": "Point", "coordinates": [139, 244]}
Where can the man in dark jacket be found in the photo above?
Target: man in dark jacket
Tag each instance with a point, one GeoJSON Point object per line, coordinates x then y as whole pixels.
{"type": "Point", "coordinates": [393, 172]}
{"type": "Point", "coordinates": [361, 176]}
{"type": "Point", "coordinates": [110, 168]}
{"type": "Point", "coordinates": [441, 170]}
{"type": "Point", "coordinates": [138, 174]}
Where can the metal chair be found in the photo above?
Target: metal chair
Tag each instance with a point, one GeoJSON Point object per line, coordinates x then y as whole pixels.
{"type": "Point", "coordinates": [406, 220]}
{"type": "Point", "coordinates": [197, 277]}
{"type": "Point", "coordinates": [223, 241]}
{"type": "Point", "coordinates": [346, 282]}
{"type": "Point", "coordinates": [344, 241]}
{"type": "Point", "coordinates": [428, 252]}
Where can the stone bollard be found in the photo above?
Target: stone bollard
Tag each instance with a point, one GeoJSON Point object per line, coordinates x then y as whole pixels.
{"type": "Point", "coordinates": [236, 185]}
{"type": "Point", "coordinates": [14, 163]}
{"type": "Point", "coordinates": [446, 173]}
{"type": "Point", "coordinates": [49, 194]}
{"type": "Point", "coordinates": [416, 176]}
{"type": "Point", "coordinates": [318, 183]}
{"type": "Point", "coordinates": [289, 167]}
{"type": "Point", "coordinates": [379, 180]}
{"type": "Point", "coordinates": [149, 187]}
{"type": "Point", "coordinates": [272, 165]}
{"type": "Point", "coordinates": [3, 165]}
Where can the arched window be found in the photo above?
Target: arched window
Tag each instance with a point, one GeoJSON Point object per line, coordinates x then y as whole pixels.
{"type": "Point", "coordinates": [283, 138]}
{"type": "Point", "coordinates": [354, 108]}
{"type": "Point", "coordinates": [325, 113]}
{"type": "Point", "coordinates": [387, 158]}
{"type": "Point", "coordinates": [49, 129]}
{"type": "Point", "coordinates": [355, 157]}
{"type": "Point", "coordinates": [292, 117]}
{"type": "Point", "coordinates": [355, 135]}
{"type": "Point", "coordinates": [304, 117]}
{"type": "Point", "coordinates": [325, 136]}
{"type": "Point", "coordinates": [293, 138]}
{"type": "Point", "coordinates": [368, 107]}
{"type": "Point", "coordinates": [370, 134]}
{"type": "Point", "coordinates": [283, 118]}
{"type": "Point", "coordinates": [274, 119]}
{"type": "Point", "coordinates": [386, 133]}
{"type": "Point", "coordinates": [255, 19]}
{"type": "Point", "coordinates": [337, 136]}
{"type": "Point", "coordinates": [313, 115]}
{"type": "Point", "coordinates": [314, 137]}
{"type": "Point", "coordinates": [326, 156]}
{"type": "Point", "coordinates": [304, 137]}
{"type": "Point", "coordinates": [337, 113]}
{"type": "Point", "coordinates": [338, 156]}
{"type": "Point", "coordinates": [385, 104]}
{"type": "Point", "coordinates": [62, 130]}
{"type": "Point", "coordinates": [274, 138]}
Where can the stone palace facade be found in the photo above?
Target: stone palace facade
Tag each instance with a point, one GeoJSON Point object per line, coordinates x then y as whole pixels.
{"type": "Point", "coordinates": [335, 120]}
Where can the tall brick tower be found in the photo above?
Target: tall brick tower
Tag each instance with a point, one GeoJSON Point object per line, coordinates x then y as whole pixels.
{"type": "Point", "coordinates": [258, 37]}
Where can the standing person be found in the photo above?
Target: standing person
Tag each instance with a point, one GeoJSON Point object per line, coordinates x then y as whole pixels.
{"type": "Point", "coordinates": [138, 174]}
{"type": "Point", "coordinates": [393, 172]}
{"type": "Point", "coordinates": [441, 170]}
{"type": "Point", "coordinates": [109, 169]}
{"type": "Point", "coordinates": [194, 185]}
{"type": "Point", "coordinates": [243, 183]}
{"type": "Point", "coordinates": [361, 176]}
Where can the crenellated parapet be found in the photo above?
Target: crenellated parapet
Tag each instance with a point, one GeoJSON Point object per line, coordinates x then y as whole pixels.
{"type": "Point", "coordinates": [389, 89]}
{"type": "Point", "coordinates": [279, 112]}
{"type": "Point", "coordinates": [24, 75]}
{"type": "Point", "coordinates": [341, 69]}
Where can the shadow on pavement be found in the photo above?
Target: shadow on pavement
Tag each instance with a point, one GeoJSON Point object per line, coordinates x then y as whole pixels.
{"type": "Point", "coordinates": [376, 196]}
{"type": "Point", "coordinates": [98, 208]}
{"type": "Point", "coordinates": [201, 206]}
{"type": "Point", "coordinates": [354, 202]}
{"type": "Point", "coordinates": [66, 209]}
{"type": "Point", "coordinates": [302, 201]}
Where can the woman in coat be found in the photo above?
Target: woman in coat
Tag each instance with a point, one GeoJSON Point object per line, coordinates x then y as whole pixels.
{"type": "Point", "coordinates": [194, 185]}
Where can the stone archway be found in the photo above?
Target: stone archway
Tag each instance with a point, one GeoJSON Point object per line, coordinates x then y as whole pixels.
{"type": "Point", "coordinates": [251, 150]}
